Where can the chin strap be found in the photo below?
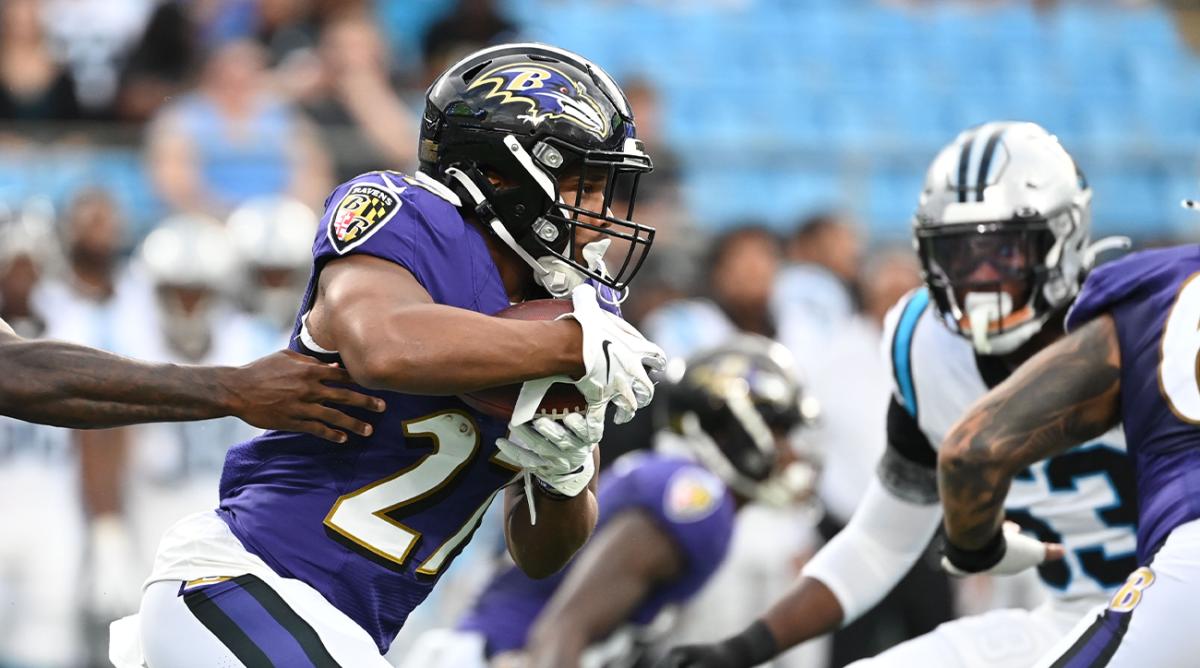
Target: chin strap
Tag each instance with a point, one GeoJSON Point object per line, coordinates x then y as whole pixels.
{"type": "Point", "coordinates": [551, 272]}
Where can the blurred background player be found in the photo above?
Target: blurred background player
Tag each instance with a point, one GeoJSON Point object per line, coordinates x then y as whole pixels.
{"type": "Point", "coordinates": [39, 480]}
{"type": "Point", "coordinates": [1002, 231]}
{"type": "Point", "coordinates": [173, 468]}
{"type": "Point", "coordinates": [273, 236]}
{"type": "Point", "coordinates": [666, 521]}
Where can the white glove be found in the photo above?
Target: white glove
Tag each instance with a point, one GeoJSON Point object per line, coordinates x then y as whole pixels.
{"type": "Point", "coordinates": [614, 354]}
{"type": "Point", "coordinates": [559, 456]}
{"type": "Point", "coordinates": [1020, 553]}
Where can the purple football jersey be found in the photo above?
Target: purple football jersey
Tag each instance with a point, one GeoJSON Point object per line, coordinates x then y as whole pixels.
{"type": "Point", "coordinates": [687, 502]}
{"type": "Point", "coordinates": [373, 523]}
{"type": "Point", "coordinates": [1155, 313]}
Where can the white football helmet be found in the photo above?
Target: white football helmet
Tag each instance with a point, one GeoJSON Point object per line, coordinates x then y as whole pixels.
{"type": "Point", "coordinates": [1002, 231]}
{"type": "Point", "coordinates": [190, 259]}
{"type": "Point", "coordinates": [274, 237]}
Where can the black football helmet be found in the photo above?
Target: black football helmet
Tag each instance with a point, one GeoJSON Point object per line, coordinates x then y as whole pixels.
{"type": "Point", "coordinates": [508, 127]}
{"type": "Point", "coordinates": [731, 404]}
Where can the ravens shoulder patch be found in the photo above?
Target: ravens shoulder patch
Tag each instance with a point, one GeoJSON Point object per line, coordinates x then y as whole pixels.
{"type": "Point", "coordinates": [364, 209]}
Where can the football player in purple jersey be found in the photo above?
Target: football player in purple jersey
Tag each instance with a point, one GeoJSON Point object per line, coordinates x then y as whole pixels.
{"type": "Point", "coordinates": [313, 559]}
{"type": "Point", "coordinates": [62, 384]}
{"type": "Point", "coordinates": [666, 519]}
{"type": "Point", "coordinates": [1131, 358]}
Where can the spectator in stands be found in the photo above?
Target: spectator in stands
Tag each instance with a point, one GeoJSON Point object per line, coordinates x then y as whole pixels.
{"type": "Point", "coordinates": [742, 265]}
{"type": "Point", "coordinates": [470, 25]}
{"type": "Point", "coordinates": [33, 85]}
{"type": "Point", "coordinates": [815, 293]}
{"type": "Point", "coordinates": [349, 91]}
{"type": "Point", "coordinates": [285, 28]}
{"type": "Point", "coordinates": [233, 139]}
{"type": "Point", "coordinates": [161, 64]}
{"type": "Point", "coordinates": [93, 38]}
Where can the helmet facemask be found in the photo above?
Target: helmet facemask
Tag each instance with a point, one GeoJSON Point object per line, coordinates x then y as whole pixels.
{"type": "Point", "coordinates": [994, 283]}
{"type": "Point", "coordinates": [541, 200]}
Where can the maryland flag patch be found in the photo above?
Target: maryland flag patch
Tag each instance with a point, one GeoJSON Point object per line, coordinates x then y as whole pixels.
{"type": "Point", "coordinates": [364, 209]}
{"type": "Point", "coordinates": [692, 495]}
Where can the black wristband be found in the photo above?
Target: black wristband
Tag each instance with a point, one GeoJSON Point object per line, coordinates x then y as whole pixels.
{"type": "Point", "coordinates": [976, 561]}
{"type": "Point", "coordinates": [753, 646]}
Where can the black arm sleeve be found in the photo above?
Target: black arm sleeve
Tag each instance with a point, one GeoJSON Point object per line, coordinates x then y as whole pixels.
{"type": "Point", "coordinates": [909, 465]}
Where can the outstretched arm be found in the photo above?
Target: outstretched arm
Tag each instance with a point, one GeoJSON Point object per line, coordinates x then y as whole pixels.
{"type": "Point", "coordinates": [619, 568]}
{"type": "Point", "coordinates": [846, 578]}
{"type": "Point", "coordinates": [1063, 396]}
{"type": "Point", "coordinates": [67, 385]}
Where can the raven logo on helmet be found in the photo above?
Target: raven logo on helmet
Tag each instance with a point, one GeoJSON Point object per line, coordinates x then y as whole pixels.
{"type": "Point", "coordinates": [548, 92]}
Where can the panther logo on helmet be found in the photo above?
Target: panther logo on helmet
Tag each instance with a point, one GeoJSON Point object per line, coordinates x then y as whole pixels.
{"type": "Point", "coordinates": [548, 93]}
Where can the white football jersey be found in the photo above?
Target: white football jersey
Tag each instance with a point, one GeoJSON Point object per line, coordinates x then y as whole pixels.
{"type": "Point", "coordinates": [1084, 498]}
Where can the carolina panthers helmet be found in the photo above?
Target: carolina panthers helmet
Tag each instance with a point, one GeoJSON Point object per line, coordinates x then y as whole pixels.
{"type": "Point", "coordinates": [731, 404]}
{"type": "Point", "coordinates": [190, 259]}
{"type": "Point", "coordinates": [1002, 230]}
{"type": "Point", "coordinates": [509, 126]}
{"type": "Point", "coordinates": [274, 237]}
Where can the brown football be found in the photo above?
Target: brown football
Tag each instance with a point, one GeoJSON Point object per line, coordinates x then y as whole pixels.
{"type": "Point", "coordinates": [560, 399]}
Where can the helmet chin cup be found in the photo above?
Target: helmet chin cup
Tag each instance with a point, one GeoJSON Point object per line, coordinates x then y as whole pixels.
{"type": "Point", "coordinates": [559, 278]}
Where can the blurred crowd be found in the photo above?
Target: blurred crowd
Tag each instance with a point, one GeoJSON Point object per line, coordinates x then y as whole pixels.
{"type": "Point", "coordinates": [248, 113]}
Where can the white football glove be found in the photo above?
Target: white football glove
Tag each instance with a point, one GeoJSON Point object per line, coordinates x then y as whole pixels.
{"type": "Point", "coordinates": [1021, 552]}
{"type": "Point", "coordinates": [557, 454]}
{"type": "Point", "coordinates": [614, 354]}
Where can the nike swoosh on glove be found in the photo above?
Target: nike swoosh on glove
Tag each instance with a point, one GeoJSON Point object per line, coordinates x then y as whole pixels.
{"type": "Point", "coordinates": [615, 357]}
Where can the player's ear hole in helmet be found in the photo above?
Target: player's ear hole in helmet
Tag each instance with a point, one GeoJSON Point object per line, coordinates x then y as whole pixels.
{"type": "Point", "coordinates": [739, 407]}
{"type": "Point", "coordinates": [1003, 233]}
{"type": "Point", "coordinates": [541, 144]}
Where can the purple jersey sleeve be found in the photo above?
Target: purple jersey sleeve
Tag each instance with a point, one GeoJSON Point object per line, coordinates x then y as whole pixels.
{"type": "Point", "coordinates": [1109, 284]}
{"type": "Point", "coordinates": [389, 216]}
{"type": "Point", "coordinates": [687, 502]}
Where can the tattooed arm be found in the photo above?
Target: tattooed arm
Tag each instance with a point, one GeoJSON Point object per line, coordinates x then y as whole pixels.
{"type": "Point", "coordinates": [63, 384]}
{"type": "Point", "coordinates": [1063, 396]}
